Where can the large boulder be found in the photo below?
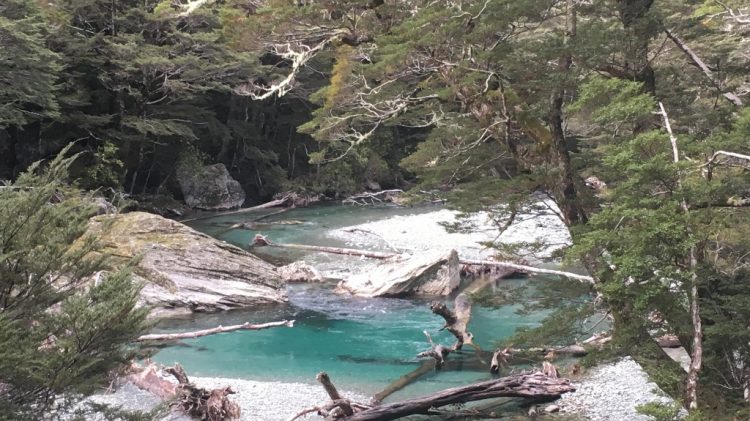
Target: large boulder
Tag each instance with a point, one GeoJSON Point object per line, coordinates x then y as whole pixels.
{"type": "Point", "coordinates": [431, 273]}
{"type": "Point", "coordinates": [183, 270]}
{"type": "Point", "coordinates": [210, 187]}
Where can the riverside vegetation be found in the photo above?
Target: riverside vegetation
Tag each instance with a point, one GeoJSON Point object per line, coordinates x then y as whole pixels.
{"type": "Point", "coordinates": [629, 115]}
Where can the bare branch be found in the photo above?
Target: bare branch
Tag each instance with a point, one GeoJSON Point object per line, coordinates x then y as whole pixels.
{"type": "Point", "coordinates": [212, 331]}
{"type": "Point", "coordinates": [731, 97]}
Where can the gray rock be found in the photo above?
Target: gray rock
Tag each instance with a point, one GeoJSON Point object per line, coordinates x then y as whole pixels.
{"type": "Point", "coordinates": [210, 187]}
{"type": "Point", "coordinates": [183, 270]}
{"type": "Point", "coordinates": [299, 271]}
{"type": "Point", "coordinates": [551, 408]}
{"type": "Point", "coordinates": [433, 273]}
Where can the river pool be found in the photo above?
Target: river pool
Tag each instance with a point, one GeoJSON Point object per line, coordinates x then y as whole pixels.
{"type": "Point", "coordinates": [363, 343]}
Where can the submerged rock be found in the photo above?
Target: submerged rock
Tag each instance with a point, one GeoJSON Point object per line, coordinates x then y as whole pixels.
{"type": "Point", "coordinates": [210, 187]}
{"type": "Point", "coordinates": [183, 270]}
{"type": "Point", "coordinates": [299, 271]}
{"type": "Point", "coordinates": [436, 273]}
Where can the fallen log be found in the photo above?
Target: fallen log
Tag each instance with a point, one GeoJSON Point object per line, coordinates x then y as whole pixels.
{"type": "Point", "coordinates": [529, 269]}
{"type": "Point", "coordinates": [427, 366]}
{"type": "Point", "coordinates": [212, 331]}
{"type": "Point", "coordinates": [524, 385]}
{"type": "Point", "coordinates": [287, 199]}
{"type": "Point", "coordinates": [262, 241]}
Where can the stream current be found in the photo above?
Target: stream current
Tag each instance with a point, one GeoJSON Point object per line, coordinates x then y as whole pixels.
{"type": "Point", "coordinates": [363, 343]}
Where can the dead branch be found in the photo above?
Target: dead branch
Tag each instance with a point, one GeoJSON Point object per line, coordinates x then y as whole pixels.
{"type": "Point", "coordinates": [368, 198]}
{"type": "Point", "coordinates": [262, 241]}
{"type": "Point", "coordinates": [695, 59]}
{"type": "Point", "coordinates": [212, 331]}
{"type": "Point", "coordinates": [719, 154]}
{"type": "Point", "coordinates": [456, 320]}
{"type": "Point", "coordinates": [299, 55]}
{"type": "Point", "coordinates": [437, 351]}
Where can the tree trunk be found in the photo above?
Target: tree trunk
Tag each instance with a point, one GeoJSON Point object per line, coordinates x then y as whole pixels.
{"type": "Point", "coordinates": [212, 331]}
{"type": "Point", "coordinates": [536, 385]}
{"type": "Point", "coordinates": [565, 192]}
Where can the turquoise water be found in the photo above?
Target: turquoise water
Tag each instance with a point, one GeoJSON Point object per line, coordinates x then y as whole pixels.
{"type": "Point", "coordinates": [313, 222]}
{"type": "Point", "coordinates": [363, 343]}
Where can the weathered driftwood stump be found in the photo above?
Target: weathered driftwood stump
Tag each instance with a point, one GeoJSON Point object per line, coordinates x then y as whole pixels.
{"type": "Point", "coordinates": [197, 402]}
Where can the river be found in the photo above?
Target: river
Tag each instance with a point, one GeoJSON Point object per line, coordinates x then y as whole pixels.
{"type": "Point", "coordinates": [363, 343]}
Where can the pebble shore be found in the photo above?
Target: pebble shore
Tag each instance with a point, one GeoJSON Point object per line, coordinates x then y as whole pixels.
{"type": "Point", "coordinates": [606, 393]}
{"type": "Point", "coordinates": [260, 401]}
{"type": "Point", "coordinates": [612, 392]}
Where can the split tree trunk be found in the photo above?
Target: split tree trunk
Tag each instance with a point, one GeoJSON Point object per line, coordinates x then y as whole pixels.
{"type": "Point", "coordinates": [456, 320]}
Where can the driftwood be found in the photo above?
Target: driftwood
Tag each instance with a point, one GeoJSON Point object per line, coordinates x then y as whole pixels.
{"type": "Point", "coordinates": [289, 199]}
{"type": "Point", "coordinates": [499, 359]}
{"type": "Point", "coordinates": [456, 320]}
{"type": "Point", "coordinates": [212, 331]}
{"type": "Point", "coordinates": [437, 351]}
{"type": "Point", "coordinates": [524, 385]}
{"type": "Point", "coordinates": [529, 269]}
{"type": "Point", "coordinates": [196, 402]}
{"type": "Point", "coordinates": [367, 198]}
{"type": "Point", "coordinates": [261, 241]}
{"type": "Point", "coordinates": [337, 408]}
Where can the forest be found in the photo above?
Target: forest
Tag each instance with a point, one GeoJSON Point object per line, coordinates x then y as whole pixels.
{"type": "Point", "coordinates": [630, 116]}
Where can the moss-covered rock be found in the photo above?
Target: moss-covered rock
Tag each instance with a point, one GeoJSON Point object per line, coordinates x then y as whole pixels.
{"type": "Point", "coordinates": [183, 270]}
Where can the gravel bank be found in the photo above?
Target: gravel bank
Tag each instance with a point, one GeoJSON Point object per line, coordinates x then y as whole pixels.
{"type": "Point", "coordinates": [266, 401]}
{"type": "Point", "coordinates": [612, 392]}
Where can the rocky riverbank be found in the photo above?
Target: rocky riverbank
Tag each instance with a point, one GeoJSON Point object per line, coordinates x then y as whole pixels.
{"type": "Point", "coordinates": [266, 401]}
{"type": "Point", "coordinates": [613, 392]}
{"type": "Point", "coordinates": [183, 270]}
{"type": "Point", "coordinates": [606, 393]}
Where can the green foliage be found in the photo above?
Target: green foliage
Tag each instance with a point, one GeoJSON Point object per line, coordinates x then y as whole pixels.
{"type": "Point", "coordinates": [64, 323]}
{"type": "Point", "coordinates": [28, 69]}
{"type": "Point", "coordinates": [660, 411]}
{"type": "Point", "coordinates": [105, 171]}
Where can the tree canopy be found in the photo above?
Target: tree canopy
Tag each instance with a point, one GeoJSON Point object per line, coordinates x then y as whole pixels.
{"type": "Point", "coordinates": [629, 115]}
